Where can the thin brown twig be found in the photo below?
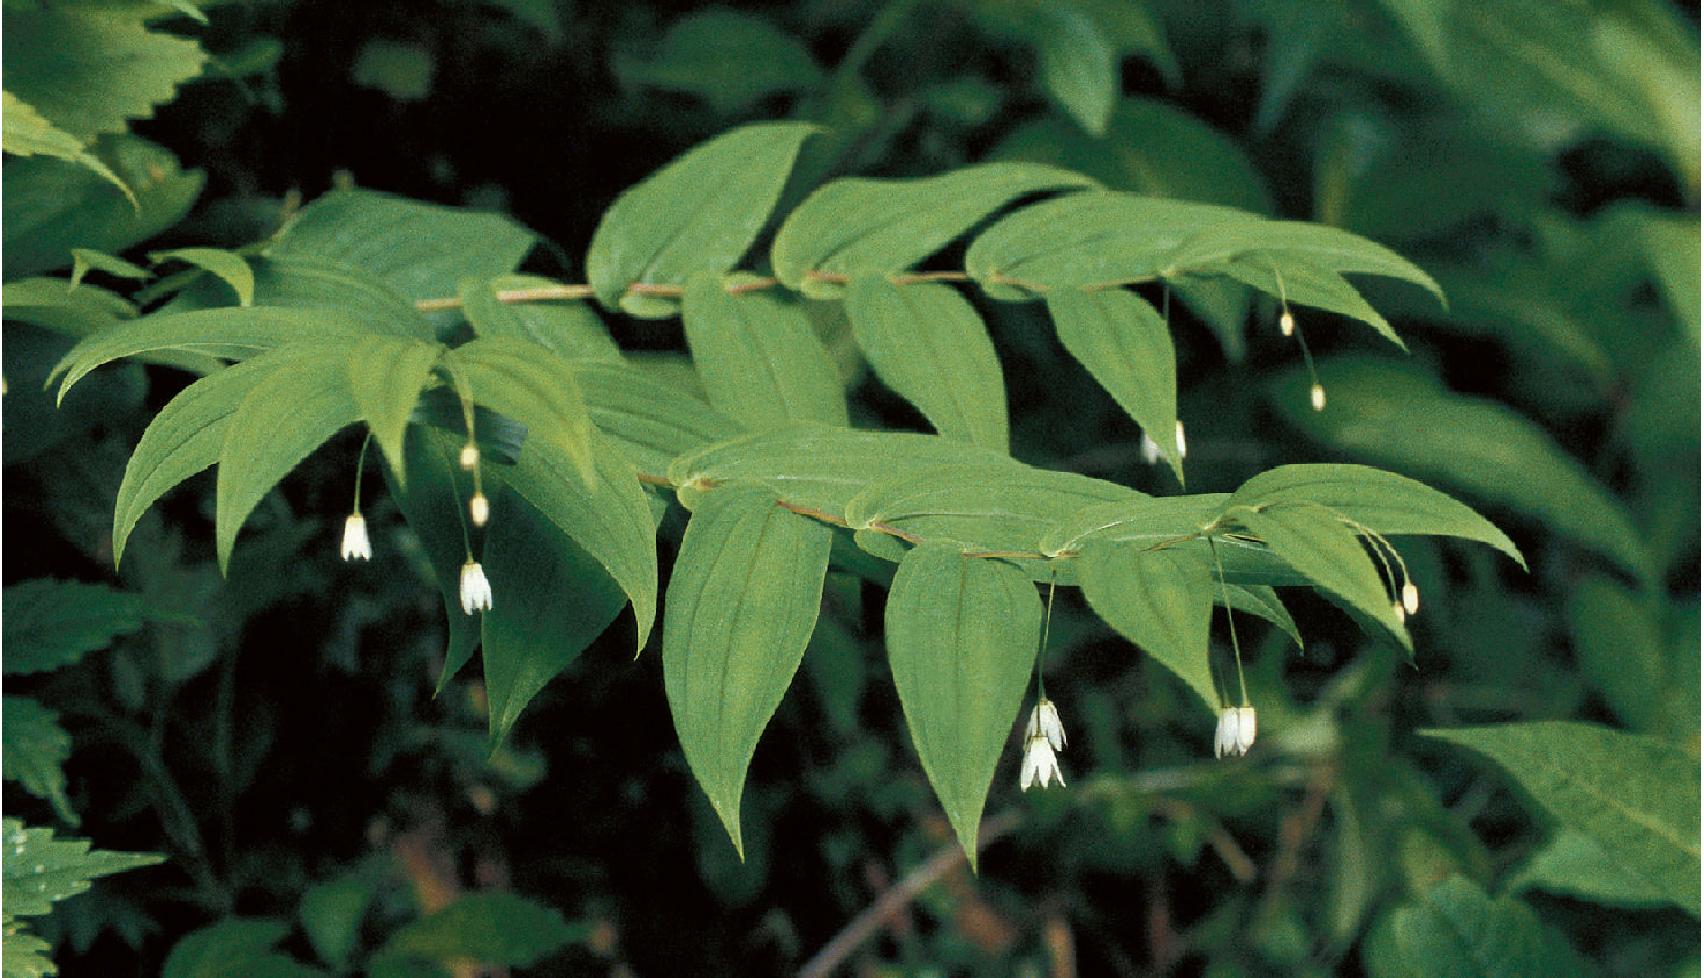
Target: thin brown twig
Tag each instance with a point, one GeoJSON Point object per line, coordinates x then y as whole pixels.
{"type": "Point", "coordinates": [860, 928]}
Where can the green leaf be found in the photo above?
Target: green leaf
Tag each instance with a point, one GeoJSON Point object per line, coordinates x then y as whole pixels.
{"type": "Point", "coordinates": [22, 954]}
{"type": "Point", "coordinates": [26, 132]}
{"type": "Point", "coordinates": [86, 260]}
{"type": "Point", "coordinates": [1306, 284]}
{"type": "Point", "coordinates": [331, 914]}
{"type": "Point", "coordinates": [758, 356]}
{"type": "Point", "coordinates": [1387, 503]}
{"type": "Point", "coordinates": [1127, 348]}
{"type": "Point", "coordinates": [419, 250]}
{"type": "Point", "coordinates": [698, 214]}
{"type": "Point", "coordinates": [651, 421]}
{"type": "Point", "coordinates": [928, 343]}
{"type": "Point", "coordinates": [1161, 600]}
{"type": "Point", "coordinates": [1263, 602]}
{"type": "Point", "coordinates": [432, 505]}
{"type": "Point", "coordinates": [493, 927]}
{"type": "Point", "coordinates": [1283, 242]}
{"type": "Point", "coordinates": [566, 327]}
{"type": "Point", "coordinates": [185, 438]}
{"type": "Point", "coordinates": [1456, 931]}
{"type": "Point", "coordinates": [52, 206]}
{"type": "Point", "coordinates": [980, 507]}
{"type": "Point", "coordinates": [534, 387]}
{"type": "Point", "coordinates": [820, 467]}
{"type": "Point", "coordinates": [48, 624]}
{"type": "Point", "coordinates": [92, 72]}
{"type": "Point", "coordinates": [556, 599]}
{"type": "Point", "coordinates": [386, 376]}
{"type": "Point", "coordinates": [226, 333]}
{"type": "Point", "coordinates": [1316, 543]}
{"type": "Point", "coordinates": [1150, 147]}
{"type": "Point", "coordinates": [1079, 69]}
{"type": "Point", "coordinates": [1388, 413]}
{"type": "Point", "coordinates": [1145, 520]}
{"type": "Point", "coordinates": [859, 226]}
{"type": "Point", "coordinates": [35, 749]}
{"type": "Point", "coordinates": [54, 304]}
{"type": "Point", "coordinates": [231, 268]}
{"type": "Point", "coordinates": [1087, 239]}
{"type": "Point", "coordinates": [1574, 864]}
{"type": "Point", "coordinates": [232, 947]}
{"type": "Point", "coordinates": [1619, 643]}
{"type": "Point", "coordinates": [1634, 796]}
{"type": "Point", "coordinates": [742, 603]}
{"type": "Point", "coordinates": [287, 414]}
{"type": "Point", "coordinates": [39, 870]}
{"type": "Point", "coordinates": [608, 516]}
{"type": "Point", "coordinates": [729, 58]}
{"type": "Point", "coordinates": [961, 637]}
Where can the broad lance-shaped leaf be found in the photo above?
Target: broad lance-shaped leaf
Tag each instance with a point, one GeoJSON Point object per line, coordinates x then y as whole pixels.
{"type": "Point", "coordinates": [980, 507]}
{"type": "Point", "coordinates": [1147, 520]}
{"type": "Point", "coordinates": [46, 624]}
{"type": "Point", "coordinates": [928, 343]}
{"type": "Point", "coordinates": [386, 376]}
{"type": "Point", "coordinates": [1127, 348]}
{"type": "Point", "coordinates": [556, 599]}
{"type": "Point", "coordinates": [35, 748]}
{"type": "Point", "coordinates": [1304, 284]}
{"type": "Point", "coordinates": [231, 334]}
{"type": "Point", "coordinates": [819, 466]}
{"type": "Point", "coordinates": [858, 226]}
{"type": "Point", "coordinates": [1279, 242]}
{"type": "Point", "coordinates": [1262, 602]}
{"type": "Point", "coordinates": [741, 607]}
{"type": "Point", "coordinates": [228, 266]}
{"type": "Point", "coordinates": [235, 945]}
{"type": "Point", "coordinates": [758, 356]}
{"type": "Point", "coordinates": [1387, 412]}
{"type": "Point", "coordinates": [533, 386]}
{"type": "Point", "coordinates": [285, 416]}
{"type": "Point", "coordinates": [491, 927]}
{"type": "Point", "coordinates": [26, 132]}
{"type": "Point", "coordinates": [961, 637]}
{"type": "Point", "coordinates": [1078, 66]}
{"type": "Point", "coordinates": [569, 328]}
{"type": "Point", "coordinates": [1314, 541]}
{"type": "Point", "coordinates": [185, 438]}
{"type": "Point", "coordinates": [1635, 796]}
{"type": "Point", "coordinates": [1087, 239]}
{"type": "Point", "coordinates": [1162, 600]}
{"type": "Point", "coordinates": [418, 250]}
{"type": "Point", "coordinates": [1384, 502]}
{"type": "Point", "coordinates": [609, 516]}
{"type": "Point", "coordinates": [1455, 930]}
{"type": "Point", "coordinates": [652, 422]}
{"type": "Point", "coordinates": [1574, 864]}
{"type": "Point", "coordinates": [698, 214]}
{"type": "Point", "coordinates": [301, 282]}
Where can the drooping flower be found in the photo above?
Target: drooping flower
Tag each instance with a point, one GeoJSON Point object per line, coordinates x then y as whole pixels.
{"type": "Point", "coordinates": [1287, 323]}
{"type": "Point", "coordinates": [475, 589]}
{"type": "Point", "coordinates": [1182, 450]}
{"type": "Point", "coordinates": [1236, 731]}
{"type": "Point", "coordinates": [1041, 767]}
{"type": "Point", "coordinates": [479, 509]}
{"type": "Point", "coordinates": [1150, 449]}
{"type": "Point", "coordinates": [1044, 722]}
{"type": "Point", "coordinates": [469, 457]}
{"type": "Point", "coordinates": [1410, 598]}
{"type": "Point", "coordinates": [1316, 397]}
{"type": "Point", "coordinates": [356, 546]}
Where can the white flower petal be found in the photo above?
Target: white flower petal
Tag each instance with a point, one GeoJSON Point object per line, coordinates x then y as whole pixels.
{"type": "Point", "coordinates": [356, 546]}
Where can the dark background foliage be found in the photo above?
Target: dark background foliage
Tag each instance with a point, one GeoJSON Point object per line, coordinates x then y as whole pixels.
{"type": "Point", "coordinates": [292, 736]}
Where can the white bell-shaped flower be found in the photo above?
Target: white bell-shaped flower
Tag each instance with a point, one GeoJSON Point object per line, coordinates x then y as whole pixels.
{"type": "Point", "coordinates": [1044, 722]}
{"type": "Point", "coordinates": [1182, 448]}
{"type": "Point", "coordinates": [1236, 731]}
{"type": "Point", "coordinates": [1410, 598]}
{"type": "Point", "coordinates": [1041, 766]}
{"type": "Point", "coordinates": [1316, 397]}
{"type": "Point", "coordinates": [475, 589]}
{"type": "Point", "coordinates": [469, 457]}
{"type": "Point", "coordinates": [1150, 449]}
{"type": "Point", "coordinates": [479, 509]}
{"type": "Point", "coordinates": [356, 546]}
